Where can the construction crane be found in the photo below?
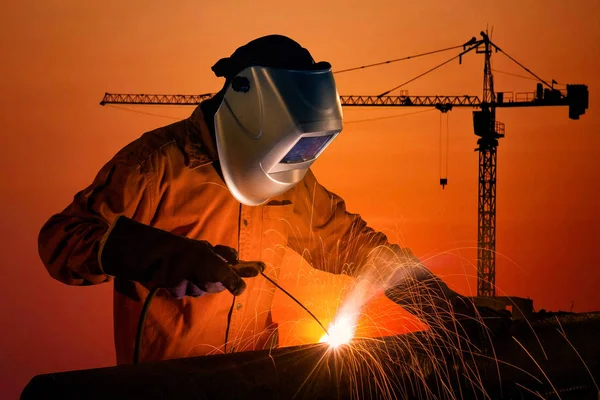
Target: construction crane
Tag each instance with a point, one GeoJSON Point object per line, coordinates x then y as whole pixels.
{"type": "Point", "coordinates": [486, 127]}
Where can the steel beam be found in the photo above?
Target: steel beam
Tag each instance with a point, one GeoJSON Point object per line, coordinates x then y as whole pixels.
{"type": "Point", "coordinates": [550, 357]}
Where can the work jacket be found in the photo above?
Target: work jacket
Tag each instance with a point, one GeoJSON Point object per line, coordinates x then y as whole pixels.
{"type": "Point", "coordinates": [166, 179]}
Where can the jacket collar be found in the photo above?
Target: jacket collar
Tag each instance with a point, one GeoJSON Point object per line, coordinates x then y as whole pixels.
{"type": "Point", "coordinates": [199, 145]}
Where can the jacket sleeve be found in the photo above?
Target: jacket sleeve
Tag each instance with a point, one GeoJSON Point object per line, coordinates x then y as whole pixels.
{"type": "Point", "coordinates": [68, 243]}
{"type": "Point", "coordinates": [328, 236]}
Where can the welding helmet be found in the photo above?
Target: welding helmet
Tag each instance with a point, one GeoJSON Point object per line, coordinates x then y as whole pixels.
{"type": "Point", "coordinates": [276, 117]}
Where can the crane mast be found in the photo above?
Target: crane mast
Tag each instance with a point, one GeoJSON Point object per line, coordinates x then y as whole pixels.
{"type": "Point", "coordinates": [489, 131]}
{"type": "Point", "coordinates": [485, 125]}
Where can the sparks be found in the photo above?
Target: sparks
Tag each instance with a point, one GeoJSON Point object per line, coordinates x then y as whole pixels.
{"type": "Point", "coordinates": [341, 331]}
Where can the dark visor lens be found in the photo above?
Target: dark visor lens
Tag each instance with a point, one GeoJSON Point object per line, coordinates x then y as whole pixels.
{"type": "Point", "coordinates": [306, 149]}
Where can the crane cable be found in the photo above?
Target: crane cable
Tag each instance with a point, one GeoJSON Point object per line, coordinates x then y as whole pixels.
{"type": "Point", "coordinates": [389, 116]}
{"type": "Point", "coordinates": [521, 76]}
{"type": "Point", "coordinates": [348, 70]}
{"type": "Point", "coordinates": [345, 122]}
{"type": "Point", "coordinates": [447, 141]}
{"type": "Point", "coordinates": [141, 112]}
{"type": "Point", "coordinates": [397, 59]}
{"type": "Point", "coordinates": [521, 65]}
{"type": "Point", "coordinates": [458, 56]}
{"type": "Point", "coordinates": [536, 77]}
{"type": "Point", "coordinates": [430, 70]}
{"type": "Point", "coordinates": [444, 171]}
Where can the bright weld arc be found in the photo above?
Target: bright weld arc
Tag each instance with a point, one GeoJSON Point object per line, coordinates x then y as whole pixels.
{"type": "Point", "coordinates": [297, 302]}
{"type": "Point", "coordinates": [342, 331]}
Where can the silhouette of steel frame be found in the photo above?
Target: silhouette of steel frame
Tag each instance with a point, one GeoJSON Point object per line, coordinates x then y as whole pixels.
{"type": "Point", "coordinates": [347, 101]}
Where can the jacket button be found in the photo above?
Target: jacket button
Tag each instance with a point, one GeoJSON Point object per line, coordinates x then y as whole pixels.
{"type": "Point", "coordinates": [245, 222]}
{"type": "Point", "coordinates": [238, 306]}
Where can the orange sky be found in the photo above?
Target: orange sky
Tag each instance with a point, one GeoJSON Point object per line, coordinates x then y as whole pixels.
{"type": "Point", "coordinates": [59, 57]}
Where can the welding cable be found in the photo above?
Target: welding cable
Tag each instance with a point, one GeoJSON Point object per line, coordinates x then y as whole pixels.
{"type": "Point", "coordinates": [140, 327]}
{"type": "Point", "coordinates": [296, 300]}
{"type": "Point", "coordinates": [146, 307]}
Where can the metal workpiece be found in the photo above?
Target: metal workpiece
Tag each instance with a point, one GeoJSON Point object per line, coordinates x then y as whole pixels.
{"type": "Point", "coordinates": [548, 356]}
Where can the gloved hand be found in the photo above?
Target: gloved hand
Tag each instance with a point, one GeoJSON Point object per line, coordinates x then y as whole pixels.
{"type": "Point", "coordinates": [472, 318]}
{"type": "Point", "coordinates": [156, 258]}
{"type": "Point", "coordinates": [445, 311]}
{"type": "Point", "coordinates": [410, 284]}
{"type": "Point", "coordinates": [427, 297]}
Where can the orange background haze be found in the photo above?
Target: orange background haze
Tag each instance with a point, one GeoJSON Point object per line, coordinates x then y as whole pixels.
{"type": "Point", "coordinates": [60, 57]}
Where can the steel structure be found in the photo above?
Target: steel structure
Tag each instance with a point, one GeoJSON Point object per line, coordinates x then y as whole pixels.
{"type": "Point", "coordinates": [575, 97]}
{"type": "Point", "coordinates": [554, 356]}
{"type": "Point", "coordinates": [489, 131]}
{"type": "Point", "coordinates": [504, 100]}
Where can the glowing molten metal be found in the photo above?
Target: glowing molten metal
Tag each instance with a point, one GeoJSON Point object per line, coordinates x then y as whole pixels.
{"type": "Point", "coordinates": [340, 332]}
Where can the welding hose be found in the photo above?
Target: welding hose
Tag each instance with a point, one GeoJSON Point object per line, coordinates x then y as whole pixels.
{"type": "Point", "coordinates": [297, 301]}
{"type": "Point", "coordinates": [141, 322]}
{"type": "Point", "coordinates": [146, 307]}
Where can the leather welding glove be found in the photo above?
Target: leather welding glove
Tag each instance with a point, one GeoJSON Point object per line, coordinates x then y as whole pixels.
{"type": "Point", "coordinates": [427, 297]}
{"type": "Point", "coordinates": [469, 320]}
{"type": "Point", "coordinates": [417, 289]}
{"type": "Point", "coordinates": [159, 259]}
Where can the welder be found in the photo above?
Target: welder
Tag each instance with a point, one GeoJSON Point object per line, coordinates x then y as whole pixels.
{"type": "Point", "coordinates": [199, 208]}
